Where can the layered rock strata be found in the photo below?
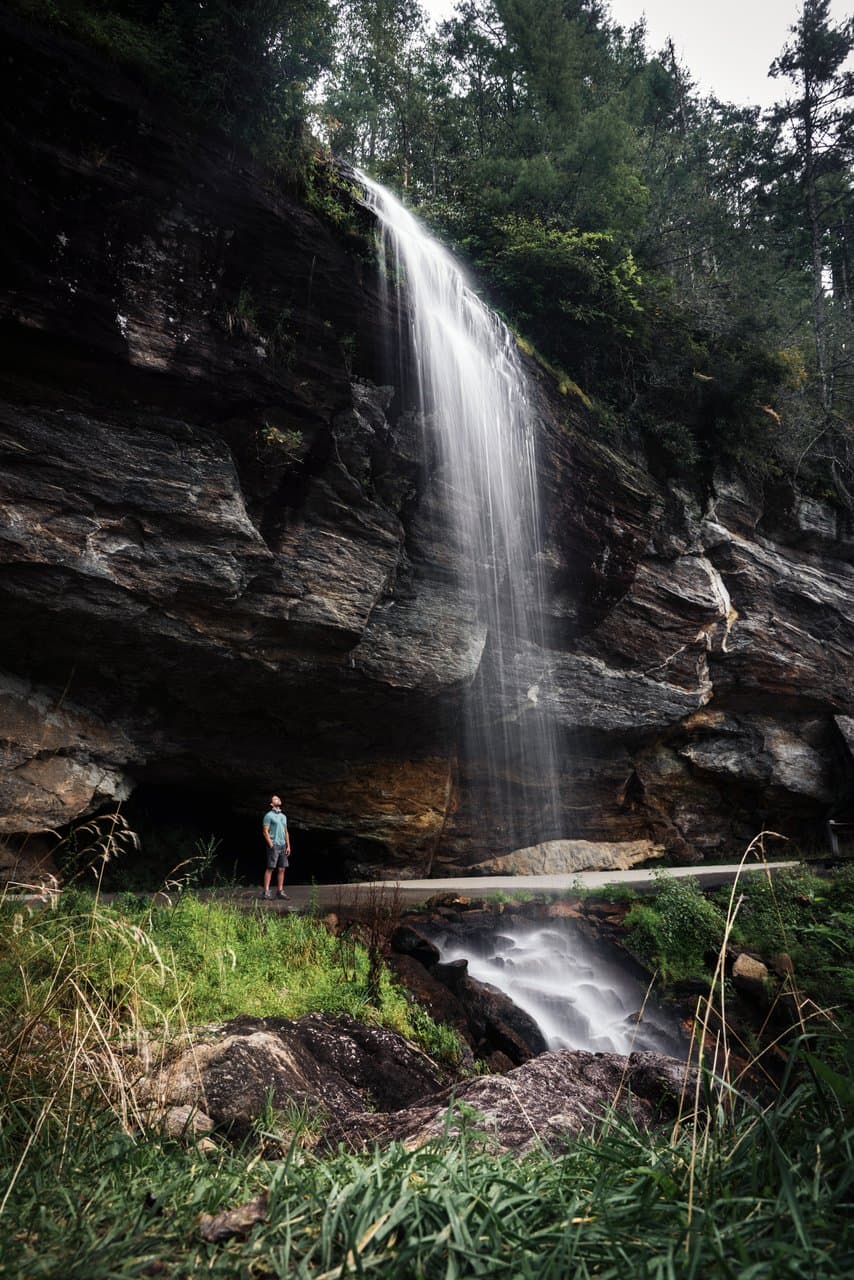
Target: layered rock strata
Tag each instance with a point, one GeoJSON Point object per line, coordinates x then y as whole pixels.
{"type": "Point", "coordinates": [223, 564]}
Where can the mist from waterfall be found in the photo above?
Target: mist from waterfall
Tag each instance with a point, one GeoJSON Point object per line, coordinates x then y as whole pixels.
{"type": "Point", "coordinates": [472, 392]}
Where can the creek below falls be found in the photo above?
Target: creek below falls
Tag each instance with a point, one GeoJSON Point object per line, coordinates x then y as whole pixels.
{"type": "Point", "coordinates": [581, 992]}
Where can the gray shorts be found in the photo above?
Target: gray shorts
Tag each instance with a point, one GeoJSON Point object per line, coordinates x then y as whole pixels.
{"type": "Point", "coordinates": [276, 857]}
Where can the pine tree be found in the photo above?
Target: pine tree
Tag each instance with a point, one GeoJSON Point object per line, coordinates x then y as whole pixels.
{"type": "Point", "coordinates": [816, 138]}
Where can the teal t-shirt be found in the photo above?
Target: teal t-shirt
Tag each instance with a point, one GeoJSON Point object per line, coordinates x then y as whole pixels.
{"type": "Point", "coordinates": [276, 824]}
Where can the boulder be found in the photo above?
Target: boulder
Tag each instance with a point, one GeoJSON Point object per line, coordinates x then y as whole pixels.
{"type": "Point", "coordinates": [497, 1023]}
{"type": "Point", "coordinates": [562, 910]}
{"type": "Point", "coordinates": [330, 1066]}
{"type": "Point", "coordinates": [563, 857]}
{"type": "Point", "coordinates": [782, 964]}
{"type": "Point", "coordinates": [750, 976]}
{"type": "Point", "coordinates": [544, 1103]}
{"type": "Point", "coordinates": [439, 1001]}
{"type": "Point", "coordinates": [409, 942]}
{"type": "Point", "coordinates": [359, 1085]}
{"type": "Point", "coordinates": [488, 1020]}
{"type": "Point", "coordinates": [184, 1122]}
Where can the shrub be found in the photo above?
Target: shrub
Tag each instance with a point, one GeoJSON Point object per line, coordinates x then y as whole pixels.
{"type": "Point", "coordinates": [678, 928]}
{"type": "Point", "coordinates": [772, 910]}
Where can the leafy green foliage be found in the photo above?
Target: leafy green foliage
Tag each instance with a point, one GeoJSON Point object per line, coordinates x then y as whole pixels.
{"type": "Point", "coordinates": [678, 929]}
{"type": "Point", "coordinates": [811, 919]}
{"type": "Point", "coordinates": [677, 255]}
{"type": "Point", "coordinates": [814, 146]}
{"type": "Point", "coordinates": [245, 66]}
{"type": "Point", "coordinates": [87, 1194]}
{"type": "Point", "coordinates": [654, 243]}
{"type": "Point", "coordinates": [286, 440]}
{"type": "Point", "coordinates": [605, 892]}
{"type": "Point", "coordinates": [331, 195]}
{"type": "Point", "coordinates": [773, 909]}
{"type": "Point", "coordinates": [578, 281]}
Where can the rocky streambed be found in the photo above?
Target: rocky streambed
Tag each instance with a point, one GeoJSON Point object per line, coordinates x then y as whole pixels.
{"type": "Point", "coordinates": [328, 1080]}
{"type": "Point", "coordinates": [582, 993]}
{"type": "Point", "coordinates": [555, 1066]}
{"type": "Point", "coordinates": [333, 1080]}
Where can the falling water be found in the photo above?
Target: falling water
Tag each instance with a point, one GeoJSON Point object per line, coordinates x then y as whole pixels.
{"type": "Point", "coordinates": [472, 392]}
{"type": "Point", "coordinates": [581, 993]}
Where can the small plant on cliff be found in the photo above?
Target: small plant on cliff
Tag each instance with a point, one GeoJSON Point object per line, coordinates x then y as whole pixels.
{"type": "Point", "coordinates": [329, 194]}
{"type": "Point", "coordinates": [348, 346]}
{"type": "Point", "coordinates": [285, 440]}
{"type": "Point", "coordinates": [242, 318]}
{"type": "Point", "coordinates": [282, 340]}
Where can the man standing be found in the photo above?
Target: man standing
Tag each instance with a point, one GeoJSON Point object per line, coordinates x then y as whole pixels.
{"type": "Point", "coordinates": [278, 843]}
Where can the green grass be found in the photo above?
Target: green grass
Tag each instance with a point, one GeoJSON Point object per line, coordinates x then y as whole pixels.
{"type": "Point", "coordinates": [811, 919]}
{"type": "Point", "coordinates": [764, 1196]}
{"type": "Point", "coordinates": [86, 1191]}
{"type": "Point", "coordinates": [196, 962]}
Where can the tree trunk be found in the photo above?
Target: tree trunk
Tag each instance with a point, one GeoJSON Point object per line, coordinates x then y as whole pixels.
{"type": "Point", "coordinates": [819, 319]}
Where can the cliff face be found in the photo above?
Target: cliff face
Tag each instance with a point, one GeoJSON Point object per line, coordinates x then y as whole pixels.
{"type": "Point", "coordinates": [220, 567]}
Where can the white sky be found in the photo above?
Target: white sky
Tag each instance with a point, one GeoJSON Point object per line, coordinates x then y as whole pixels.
{"type": "Point", "coordinates": [727, 45]}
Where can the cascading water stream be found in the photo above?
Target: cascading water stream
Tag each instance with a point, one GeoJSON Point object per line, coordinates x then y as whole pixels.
{"type": "Point", "coordinates": [581, 993]}
{"type": "Point", "coordinates": [472, 393]}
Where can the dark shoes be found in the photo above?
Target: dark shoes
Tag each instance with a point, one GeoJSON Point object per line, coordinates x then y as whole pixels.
{"type": "Point", "coordinates": [266, 895]}
{"type": "Point", "coordinates": [282, 894]}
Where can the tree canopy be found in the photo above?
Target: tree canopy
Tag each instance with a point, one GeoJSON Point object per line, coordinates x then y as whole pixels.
{"type": "Point", "coordinates": [686, 261]}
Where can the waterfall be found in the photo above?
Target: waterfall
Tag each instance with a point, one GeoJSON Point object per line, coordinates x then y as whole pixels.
{"type": "Point", "coordinates": [472, 394]}
{"type": "Point", "coordinates": [581, 993]}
